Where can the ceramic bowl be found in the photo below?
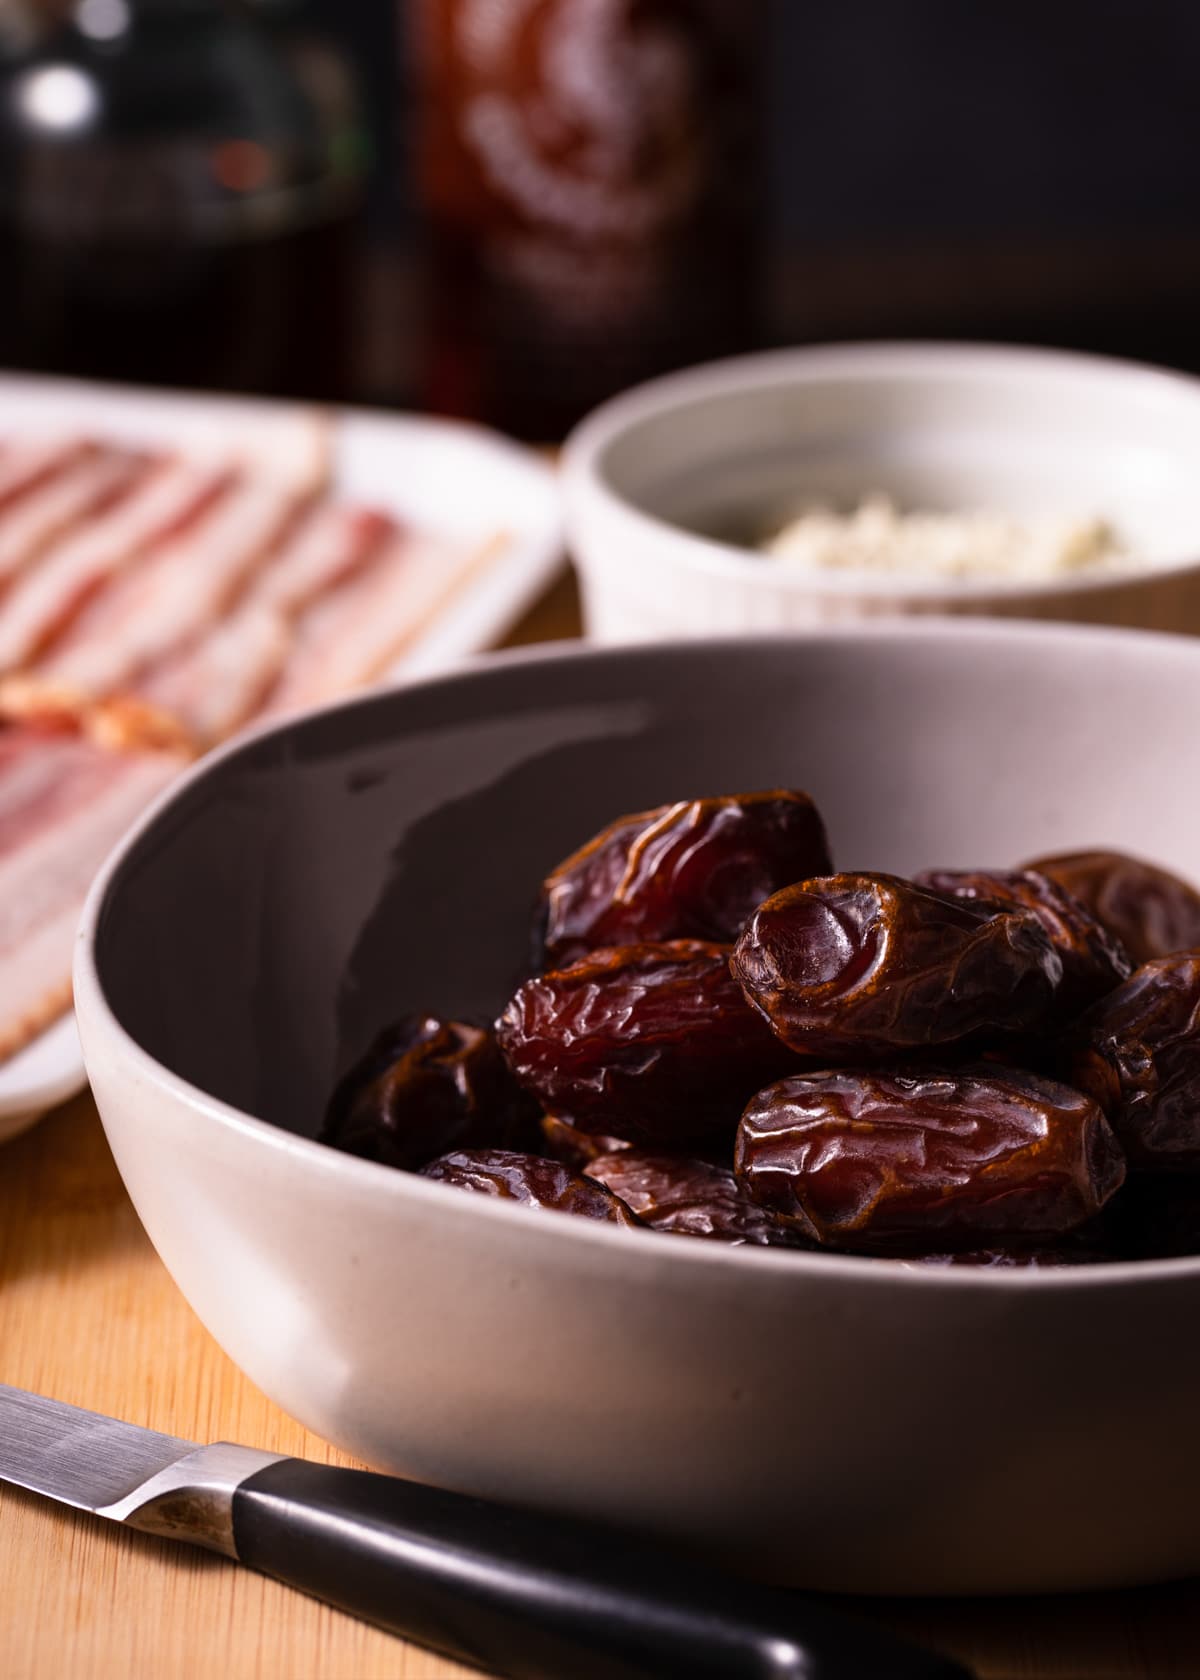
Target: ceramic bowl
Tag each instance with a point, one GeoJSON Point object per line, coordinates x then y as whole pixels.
{"type": "Point", "coordinates": [669, 486]}
{"type": "Point", "coordinates": [845, 1423]}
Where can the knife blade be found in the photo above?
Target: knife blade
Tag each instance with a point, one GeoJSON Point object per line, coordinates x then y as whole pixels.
{"type": "Point", "coordinates": [524, 1595]}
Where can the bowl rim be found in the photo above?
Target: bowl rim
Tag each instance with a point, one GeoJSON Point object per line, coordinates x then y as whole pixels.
{"type": "Point", "coordinates": [371, 1177]}
{"type": "Point", "coordinates": [588, 492]}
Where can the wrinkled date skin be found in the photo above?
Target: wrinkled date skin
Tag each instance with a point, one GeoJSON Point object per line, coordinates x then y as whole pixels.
{"type": "Point", "coordinates": [655, 1038]}
{"type": "Point", "coordinates": [969, 1159]}
{"type": "Point", "coordinates": [530, 1179]}
{"type": "Point", "coordinates": [847, 967]}
{"type": "Point", "coordinates": [692, 1198]}
{"type": "Point", "coordinates": [575, 1149]}
{"type": "Point", "coordinates": [1093, 960]}
{"type": "Point", "coordinates": [426, 1086]}
{"type": "Point", "coordinates": [1137, 1052]}
{"type": "Point", "coordinates": [1150, 911]}
{"type": "Point", "coordinates": [694, 870]}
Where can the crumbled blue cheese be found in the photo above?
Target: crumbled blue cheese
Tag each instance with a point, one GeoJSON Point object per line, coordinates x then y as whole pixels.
{"type": "Point", "coordinates": [877, 537]}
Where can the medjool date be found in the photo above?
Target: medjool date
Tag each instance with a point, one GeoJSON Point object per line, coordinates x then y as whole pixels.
{"type": "Point", "coordinates": [426, 1086]}
{"type": "Point", "coordinates": [575, 1149]}
{"type": "Point", "coordinates": [693, 870]}
{"type": "Point", "coordinates": [963, 1159]}
{"type": "Point", "coordinates": [1093, 960]}
{"type": "Point", "coordinates": [942, 1070]}
{"type": "Point", "coordinates": [693, 1198]}
{"type": "Point", "coordinates": [1150, 911]}
{"type": "Point", "coordinates": [847, 967]}
{"type": "Point", "coordinates": [1137, 1052]}
{"type": "Point", "coordinates": [654, 1042]}
{"type": "Point", "coordinates": [538, 1183]}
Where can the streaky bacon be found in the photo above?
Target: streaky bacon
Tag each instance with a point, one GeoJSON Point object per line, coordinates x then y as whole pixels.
{"type": "Point", "coordinates": [173, 594]}
{"type": "Point", "coordinates": [172, 496]}
{"type": "Point", "coordinates": [212, 687]}
{"type": "Point", "coordinates": [214, 684]}
{"type": "Point", "coordinates": [352, 634]}
{"type": "Point", "coordinates": [54, 837]}
{"type": "Point", "coordinates": [331, 545]}
{"type": "Point", "coordinates": [82, 490]}
{"type": "Point", "coordinates": [46, 772]}
{"type": "Point", "coordinates": [153, 604]}
{"type": "Point", "coordinates": [37, 785]}
{"type": "Point", "coordinates": [27, 466]}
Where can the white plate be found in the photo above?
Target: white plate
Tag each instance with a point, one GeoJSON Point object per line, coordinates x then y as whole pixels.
{"type": "Point", "coordinates": [469, 484]}
{"type": "Point", "coordinates": [45, 1073]}
{"type": "Point", "coordinates": [460, 480]}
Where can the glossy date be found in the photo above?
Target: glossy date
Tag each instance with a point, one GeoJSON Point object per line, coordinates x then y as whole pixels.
{"type": "Point", "coordinates": [963, 1159]}
{"type": "Point", "coordinates": [692, 1198]}
{"type": "Point", "coordinates": [531, 1180]}
{"type": "Point", "coordinates": [851, 967]}
{"type": "Point", "coordinates": [1149, 910]}
{"type": "Point", "coordinates": [426, 1086]}
{"type": "Point", "coordinates": [693, 870]}
{"type": "Point", "coordinates": [561, 1141]}
{"type": "Point", "coordinates": [730, 1042]}
{"type": "Point", "coordinates": [653, 1042]}
{"type": "Point", "coordinates": [1137, 1052]}
{"type": "Point", "coordinates": [1093, 960]}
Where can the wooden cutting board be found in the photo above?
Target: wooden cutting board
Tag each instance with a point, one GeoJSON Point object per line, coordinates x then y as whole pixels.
{"type": "Point", "coordinates": [88, 1314]}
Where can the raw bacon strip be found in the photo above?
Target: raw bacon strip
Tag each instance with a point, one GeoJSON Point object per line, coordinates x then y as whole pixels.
{"type": "Point", "coordinates": [40, 518]}
{"type": "Point", "coordinates": [44, 877]}
{"type": "Point", "coordinates": [353, 634]}
{"type": "Point", "coordinates": [27, 466]}
{"type": "Point", "coordinates": [333, 543]}
{"type": "Point", "coordinates": [213, 685]}
{"type": "Point", "coordinates": [44, 603]}
{"type": "Point", "coordinates": [44, 774]}
{"type": "Point", "coordinates": [174, 594]}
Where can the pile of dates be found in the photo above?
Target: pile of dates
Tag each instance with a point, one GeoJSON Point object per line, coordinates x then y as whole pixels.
{"type": "Point", "coordinates": [724, 1038]}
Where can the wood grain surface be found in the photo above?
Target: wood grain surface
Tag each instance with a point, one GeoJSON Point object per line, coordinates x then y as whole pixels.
{"type": "Point", "coordinates": [88, 1314]}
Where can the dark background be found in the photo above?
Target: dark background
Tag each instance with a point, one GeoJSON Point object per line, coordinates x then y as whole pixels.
{"type": "Point", "coordinates": [1012, 170]}
{"type": "Point", "coordinates": [932, 168]}
{"type": "Point", "coordinates": [918, 118]}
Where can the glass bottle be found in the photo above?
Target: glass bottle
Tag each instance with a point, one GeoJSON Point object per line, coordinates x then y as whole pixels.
{"type": "Point", "coordinates": [589, 175]}
{"type": "Point", "coordinates": [177, 199]}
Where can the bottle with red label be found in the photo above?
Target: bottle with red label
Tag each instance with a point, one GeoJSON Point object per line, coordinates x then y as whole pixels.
{"type": "Point", "coordinates": [589, 174]}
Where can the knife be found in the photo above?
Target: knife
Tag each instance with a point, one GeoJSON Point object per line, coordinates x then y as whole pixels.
{"type": "Point", "coordinates": [528, 1596]}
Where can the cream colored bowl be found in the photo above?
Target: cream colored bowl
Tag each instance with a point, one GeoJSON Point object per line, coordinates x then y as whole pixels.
{"type": "Point", "coordinates": [668, 486]}
{"type": "Point", "coordinates": [846, 1423]}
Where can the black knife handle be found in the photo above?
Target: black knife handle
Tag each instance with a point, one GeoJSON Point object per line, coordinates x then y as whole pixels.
{"type": "Point", "coordinates": [539, 1598]}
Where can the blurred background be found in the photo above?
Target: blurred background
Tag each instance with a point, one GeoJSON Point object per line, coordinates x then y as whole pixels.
{"type": "Point", "coordinates": [510, 208]}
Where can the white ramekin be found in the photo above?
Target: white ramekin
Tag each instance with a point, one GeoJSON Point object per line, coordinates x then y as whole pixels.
{"type": "Point", "coordinates": [665, 485]}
